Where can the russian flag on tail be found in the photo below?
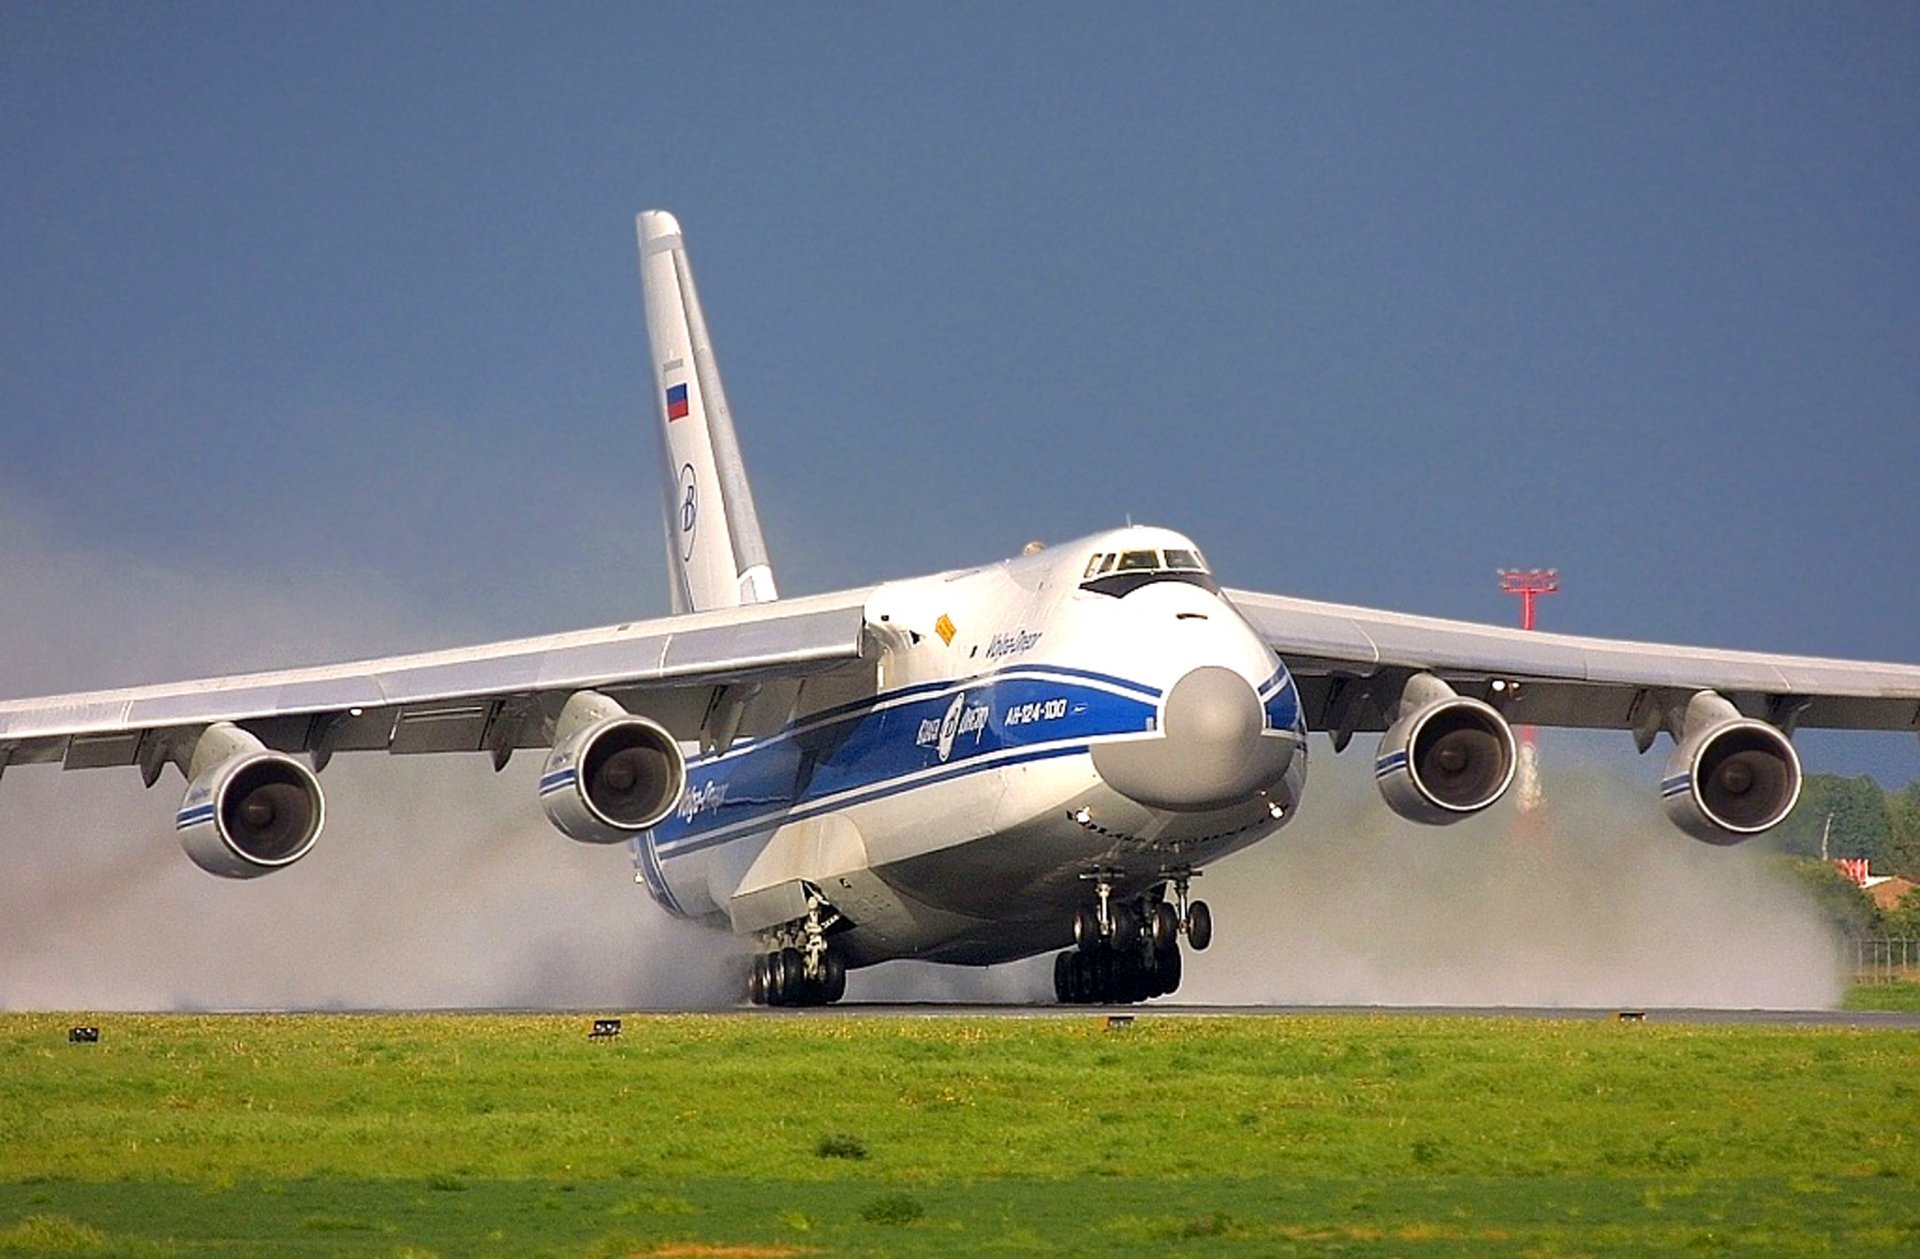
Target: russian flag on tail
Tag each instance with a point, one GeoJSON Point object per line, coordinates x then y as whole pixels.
{"type": "Point", "coordinates": [676, 402]}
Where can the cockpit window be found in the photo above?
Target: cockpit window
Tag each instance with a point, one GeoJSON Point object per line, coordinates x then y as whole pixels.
{"type": "Point", "coordinates": [1121, 573]}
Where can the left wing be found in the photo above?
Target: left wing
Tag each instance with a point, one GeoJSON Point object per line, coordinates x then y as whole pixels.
{"type": "Point", "coordinates": [1430, 683]}
{"type": "Point", "coordinates": [1565, 679]}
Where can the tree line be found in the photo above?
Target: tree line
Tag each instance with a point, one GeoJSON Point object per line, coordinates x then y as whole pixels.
{"type": "Point", "coordinates": [1859, 818]}
{"type": "Point", "coordinates": [1867, 821]}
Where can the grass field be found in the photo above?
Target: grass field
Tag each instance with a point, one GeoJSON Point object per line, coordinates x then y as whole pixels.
{"type": "Point", "coordinates": [1902, 995]}
{"type": "Point", "coordinates": [729, 1135]}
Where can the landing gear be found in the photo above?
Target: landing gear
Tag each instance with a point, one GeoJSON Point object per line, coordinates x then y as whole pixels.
{"type": "Point", "coordinates": [1129, 951]}
{"type": "Point", "coordinates": [780, 978]}
{"type": "Point", "coordinates": [805, 970]}
{"type": "Point", "coordinates": [1199, 925]}
{"type": "Point", "coordinates": [1193, 918]}
{"type": "Point", "coordinates": [1109, 976]}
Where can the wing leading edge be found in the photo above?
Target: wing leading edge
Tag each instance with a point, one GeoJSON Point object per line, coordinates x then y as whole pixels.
{"type": "Point", "coordinates": [1351, 660]}
{"type": "Point", "coordinates": [496, 697]}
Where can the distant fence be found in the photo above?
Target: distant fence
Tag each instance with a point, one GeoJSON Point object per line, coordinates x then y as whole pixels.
{"type": "Point", "coordinates": [1885, 961]}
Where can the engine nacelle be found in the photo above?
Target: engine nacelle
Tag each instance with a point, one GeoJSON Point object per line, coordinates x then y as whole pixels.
{"type": "Point", "coordinates": [611, 774]}
{"type": "Point", "coordinates": [1446, 756]}
{"type": "Point", "coordinates": [1730, 777]}
{"type": "Point", "coordinates": [247, 811]}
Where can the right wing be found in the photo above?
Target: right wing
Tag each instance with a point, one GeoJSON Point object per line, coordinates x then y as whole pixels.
{"type": "Point", "coordinates": [495, 698]}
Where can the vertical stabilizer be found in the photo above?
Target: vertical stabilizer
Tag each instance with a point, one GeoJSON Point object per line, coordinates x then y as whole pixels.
{"type": "Point", "coordinates": [714, 549]}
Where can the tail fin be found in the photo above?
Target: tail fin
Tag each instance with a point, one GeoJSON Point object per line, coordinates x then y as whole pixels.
{"type": "Point", "coordinates": [714, 549]}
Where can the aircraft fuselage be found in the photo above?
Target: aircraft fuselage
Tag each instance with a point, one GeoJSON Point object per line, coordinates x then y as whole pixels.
{"type": "Point", "coordinates": [1026, 723]}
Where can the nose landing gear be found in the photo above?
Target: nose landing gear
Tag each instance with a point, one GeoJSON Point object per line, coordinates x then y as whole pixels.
{"type": "Point", "coordinates": [1128, 951]}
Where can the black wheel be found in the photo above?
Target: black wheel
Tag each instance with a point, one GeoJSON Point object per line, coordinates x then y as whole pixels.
{"type": "Point", "coordinates": [1199, 925]}
{"type": "Point", "coordinates": [800, 989]}
{"type": "Point", "coordinates": [1143, 978]}
{"type": "Point", "coordinates": [833, 985]}
{"type": "Point", "coordinates": [1063, 977]}
{"type": "Point", "coordinates": [1166, 970]}
{"type": "Point", "coordinates": [1100, 968]}
{"type": "Point", "coordinates": [1126, 927]}
{"type": "Point", "coordinates": [1165, 926]}
{"type": "Point", "coordinates": [1086, 927]}
{"type": "Point", "coordinates": [757, 980]}
{"type": "Point", "coordinates": [782, 983]}
{"type": "Point", "coordinates": [1079, 977]}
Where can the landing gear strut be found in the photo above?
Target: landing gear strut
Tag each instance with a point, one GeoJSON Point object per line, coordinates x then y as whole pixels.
{"type": "Point", "coordinates": [1194, 918]}
{"type": "Point", "coordinates": [1129, 951]}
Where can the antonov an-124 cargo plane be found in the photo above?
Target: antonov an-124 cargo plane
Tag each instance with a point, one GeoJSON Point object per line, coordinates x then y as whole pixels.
{"type": "Point", "coordinates": [1038, 754]}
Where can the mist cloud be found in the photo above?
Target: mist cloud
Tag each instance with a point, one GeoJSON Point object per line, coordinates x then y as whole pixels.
{"type": "Point", "coordinates": [439, 883]}
{"type": "Point", "coordinates": [1603, 905]}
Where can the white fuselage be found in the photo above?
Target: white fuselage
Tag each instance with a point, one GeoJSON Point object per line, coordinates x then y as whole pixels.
{"type": "Point", "coordinates": [950, 809]}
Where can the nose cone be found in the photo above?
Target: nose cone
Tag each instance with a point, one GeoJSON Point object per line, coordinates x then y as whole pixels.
{"type": "Point", "coordinates": [1210, 751]}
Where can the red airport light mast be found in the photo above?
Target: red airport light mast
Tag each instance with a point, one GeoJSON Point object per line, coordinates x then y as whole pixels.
{"type": "Point", "coordinates": [1528, 584]}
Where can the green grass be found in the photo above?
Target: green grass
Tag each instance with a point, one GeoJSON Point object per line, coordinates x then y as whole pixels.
{"type": "Point", "coordinates": [1901, 995]}
{"type": "Point", "coordinates": [450, 1135]}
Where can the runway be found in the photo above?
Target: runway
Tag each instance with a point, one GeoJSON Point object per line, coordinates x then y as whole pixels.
{"type": "Point", "coordinates": [1865, 1019]}
{"type": "Point", "coordinates": [1860, 1019]}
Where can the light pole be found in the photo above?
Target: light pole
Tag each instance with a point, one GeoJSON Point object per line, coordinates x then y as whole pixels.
{"type": "Point", "coordinates": [1528, 584]}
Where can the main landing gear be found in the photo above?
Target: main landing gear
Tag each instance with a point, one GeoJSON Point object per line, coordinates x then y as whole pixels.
{"type": "Point", "coordinates": [1129, 951]}
{"type": "Point", "coordinates": [780, 977]}
{"type": "Point", "coordinates": [804, 970]}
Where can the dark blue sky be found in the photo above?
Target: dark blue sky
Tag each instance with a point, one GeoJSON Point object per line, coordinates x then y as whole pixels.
{"type": "Point", "coordinates": [1371, 300]}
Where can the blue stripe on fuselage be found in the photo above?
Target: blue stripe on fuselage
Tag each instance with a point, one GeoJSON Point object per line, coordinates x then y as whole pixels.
{"type": "Point", "coordinates": [897, 741]}
{"type": "Point", "coordinates": [1281, 699]}
{"type": "Point", "coordinates": [647, 856]}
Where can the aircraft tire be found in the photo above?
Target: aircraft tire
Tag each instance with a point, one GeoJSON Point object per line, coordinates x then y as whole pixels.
{"type": "Point", "coordinates": [1165, 927]}
{"type": "Point", "coordinates": [1086, 927]}
{"type": "Point", "coordinates": [1082, 978]}
{"type": "Point", "coordinates": [757, 980]}
{"type": "Point", "coordinates": [1166, 970]}
{"type": "Point", "coordinates": [1063, 976]}
{"type": "Point", "coordinates": [833, 985]}
{"type": "Point", "coordinates": [1199, 925]}
{"type": "Point", "coordinates": [1126, 928]}
{"type": "Point", "coordinates": [1104, 974]}
{"type": "Point", "coordinates": [794, 985]}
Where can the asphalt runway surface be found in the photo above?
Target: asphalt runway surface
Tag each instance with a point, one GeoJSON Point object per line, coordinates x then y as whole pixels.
{"type": "Point", "coordinates": [1909, 1020]}
{"type": "Point", "coordinates": [1890, 1019]}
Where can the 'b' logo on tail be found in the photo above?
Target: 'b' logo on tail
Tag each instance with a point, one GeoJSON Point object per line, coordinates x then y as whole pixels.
{"type": "Point", "coordinates": [689, 511]}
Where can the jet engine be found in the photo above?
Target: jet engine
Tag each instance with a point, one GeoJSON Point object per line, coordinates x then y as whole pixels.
{"type": "Point", "coordinates": [611, 774]}
{"type": "Point", "coordinates": [247, 811]}
{"type": "Point", "coordinates": [1730, 777]}
{"type": "Point", "coordinates": [1445, 756]}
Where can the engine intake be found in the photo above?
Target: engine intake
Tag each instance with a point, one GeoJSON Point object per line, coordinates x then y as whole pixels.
{"type": "Point", "coordinates": [247, 811]}
{"type": "Point", "coordinates": [1730, 777]}
{"type": "Point", "coordinates": [1446, 756]}
{"type": "Point", "coordinates": [611, 774]}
